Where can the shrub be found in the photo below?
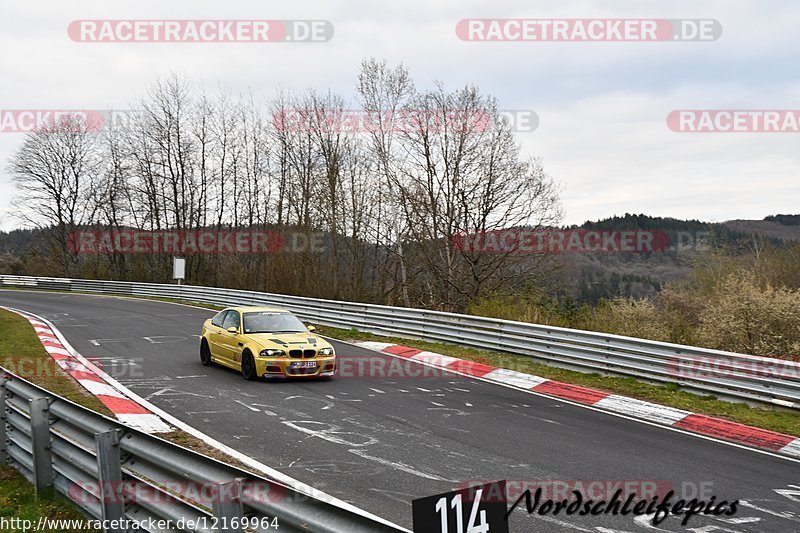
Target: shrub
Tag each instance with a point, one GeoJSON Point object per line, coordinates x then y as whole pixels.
{"type": "Point", "coordinates": [744, 316]}
{"type": "Point", "coordinates": [631, 317]}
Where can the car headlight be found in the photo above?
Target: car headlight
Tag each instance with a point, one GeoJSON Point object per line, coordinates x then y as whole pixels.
{"type": "Point", "coordinates": [325, 351]}
{"type": "Point", "coordinates": [272, 353]}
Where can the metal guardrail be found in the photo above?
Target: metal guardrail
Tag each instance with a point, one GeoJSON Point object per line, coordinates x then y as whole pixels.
{"type": "Point", "coordinates": [113, 472]}
{"type": "Point", "coordinates": [745, 377]}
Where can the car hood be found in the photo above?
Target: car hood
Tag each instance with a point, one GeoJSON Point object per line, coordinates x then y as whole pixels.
{"type": "Point", "coordinates": [288, 341]}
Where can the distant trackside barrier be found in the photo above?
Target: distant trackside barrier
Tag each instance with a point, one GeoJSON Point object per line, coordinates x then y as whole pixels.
{"type": "Point", "coordinates": [732, 375]}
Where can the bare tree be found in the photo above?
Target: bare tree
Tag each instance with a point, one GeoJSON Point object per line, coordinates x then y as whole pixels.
{"type": "Point", "coordinates": [391, 200]}
{"type": "Point", "coordinates": [55, 172]}
{"type": "Point", "coordinates": [331, 144]}
{"type": "Point", "coordinates": [464, 175]}
{"type": "Point", "coordinates": [113, 191]}
{"type": "Point", "coordinates": [385, 93]}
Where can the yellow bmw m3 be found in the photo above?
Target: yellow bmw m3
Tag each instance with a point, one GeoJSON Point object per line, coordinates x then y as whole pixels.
{"type": "Point", "coordinates": [263, 342]}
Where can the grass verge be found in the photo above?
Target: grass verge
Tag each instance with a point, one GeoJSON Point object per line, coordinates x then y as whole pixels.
{"type": "Point", "coordinates": [23, 354]}
{"type": "Point", "coordinates": [18, 500]}
{"type": "Point", "coordinates": [780, 420]}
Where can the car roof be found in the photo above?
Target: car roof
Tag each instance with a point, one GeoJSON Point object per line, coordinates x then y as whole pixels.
{"type": "Point", "coordinates": [255, 309]}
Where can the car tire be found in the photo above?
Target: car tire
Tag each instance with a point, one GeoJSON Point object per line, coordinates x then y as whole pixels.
{"type": "Point", "coordinates": [205, 353]}
{"type": "Point", "coordinates": [248, 367]}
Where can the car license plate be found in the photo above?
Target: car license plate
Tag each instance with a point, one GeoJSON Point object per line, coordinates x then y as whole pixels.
{"type": "Point", "coordinates": [305, 364]}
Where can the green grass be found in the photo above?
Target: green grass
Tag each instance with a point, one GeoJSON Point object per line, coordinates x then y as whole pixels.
{"type": "Point", "coordinates": [18, 500]}
{"type": "Point", "coordinates": [782, 421]}
{"type": "Point", "coordinates": [23, 354]}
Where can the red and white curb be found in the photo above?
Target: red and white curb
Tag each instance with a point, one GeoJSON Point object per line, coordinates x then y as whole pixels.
{"type": "Point", "coordinates": [651, 412]}
{"type": "Point", "coordinates": [154, 419]}
{"type": "Point", "coordinates": [126, 410]}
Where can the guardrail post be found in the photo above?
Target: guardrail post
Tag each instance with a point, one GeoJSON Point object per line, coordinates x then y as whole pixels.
{"type": "Point", "coordinates": [3, 438]}
{"type": "Point", "coordinates": [227, 506]}
{"type": "Point", "coordinates": [41, 452]}
{"type": "Point", "coordinates": [109, 471]}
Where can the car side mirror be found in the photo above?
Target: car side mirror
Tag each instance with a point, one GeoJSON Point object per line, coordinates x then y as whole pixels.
{"type": "Point", "coordinates": [233, 329]}
{"type": "Point", "coordinates": [311, 328]}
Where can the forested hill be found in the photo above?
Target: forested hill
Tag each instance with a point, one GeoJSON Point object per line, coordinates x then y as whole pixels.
{"type": "Point", "coordinates": [584, 277]}
{"type": "Point", "coordinates": [780, 227]}
{"type": "Point", "coordinates": [601, 276]}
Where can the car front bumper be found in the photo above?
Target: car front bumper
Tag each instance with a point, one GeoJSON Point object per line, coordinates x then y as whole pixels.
{"type": "Point", "coordinates": [296, 368]}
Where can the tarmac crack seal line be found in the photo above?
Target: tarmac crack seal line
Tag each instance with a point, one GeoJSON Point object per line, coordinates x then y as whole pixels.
{"type": "Point", "coordinates": [60, 343]}
{"type": "Point", "coordinates": [706, 426]}
{"type": "Point", "coordinates": [91, 378]}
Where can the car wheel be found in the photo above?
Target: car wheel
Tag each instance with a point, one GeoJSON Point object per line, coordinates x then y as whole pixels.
{"type": "Point", "coordinates": [205, 353]}
{"type": "Point", "coordinates": [248, 367]}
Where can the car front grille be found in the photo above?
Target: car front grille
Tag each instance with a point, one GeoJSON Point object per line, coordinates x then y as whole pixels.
{"type": "Point", "coordinates": [302, 371]}
{"type": "Point", "coordinates": [300, 354]}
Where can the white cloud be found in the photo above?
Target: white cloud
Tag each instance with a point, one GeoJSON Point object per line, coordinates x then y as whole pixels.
{"type": "Point", "coordinates": [617, 155]}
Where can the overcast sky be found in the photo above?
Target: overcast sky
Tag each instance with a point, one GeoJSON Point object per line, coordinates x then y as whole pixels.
{"type": "Point", "coordinates": [602, 106]}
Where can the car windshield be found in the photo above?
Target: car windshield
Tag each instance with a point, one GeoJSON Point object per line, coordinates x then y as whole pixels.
{"type": "Point", "coordinates": [272, 322]}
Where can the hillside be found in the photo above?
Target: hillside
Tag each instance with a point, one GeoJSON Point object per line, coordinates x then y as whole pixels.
{"type": "Point", "coordinates": [583, 277]}
{"type": "Point", "coordinates": [604, 275]}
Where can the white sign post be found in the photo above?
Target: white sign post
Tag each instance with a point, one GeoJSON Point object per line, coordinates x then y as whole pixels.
{"type": "Point", "coordinates": [178, 268]}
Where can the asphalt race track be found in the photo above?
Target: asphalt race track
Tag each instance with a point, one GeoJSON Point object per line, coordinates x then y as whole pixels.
{"type": "Point", "coordinates": [379, 442]}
